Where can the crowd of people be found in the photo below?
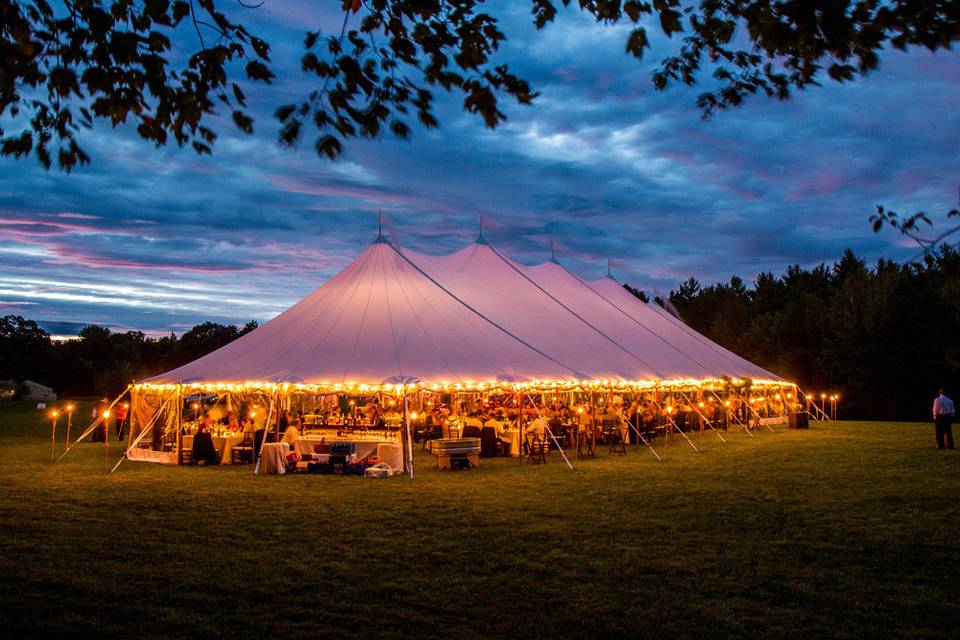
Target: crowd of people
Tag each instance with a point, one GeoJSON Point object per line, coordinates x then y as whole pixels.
{"type": "Point", "coordinates": [504, 421]}
{"type": "Point", "coordinates": [632, 420]}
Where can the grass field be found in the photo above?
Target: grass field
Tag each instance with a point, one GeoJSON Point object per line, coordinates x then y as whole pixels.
{"type": "Point", "coordinates": [846, 530]}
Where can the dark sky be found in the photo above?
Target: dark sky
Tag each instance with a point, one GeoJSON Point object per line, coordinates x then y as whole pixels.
{"type": "Point", "coordinates": [603, 164]}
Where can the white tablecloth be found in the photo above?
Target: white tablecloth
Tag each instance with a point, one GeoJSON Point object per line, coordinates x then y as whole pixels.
{"type": "Point", "coordinates": [225, 445]}
{"type": "Point", "coordinates": [274, 457]}
{"type": "Point", "coordinates": [513, 437]}
{"type": "Point", "coordinates": [391, 454]}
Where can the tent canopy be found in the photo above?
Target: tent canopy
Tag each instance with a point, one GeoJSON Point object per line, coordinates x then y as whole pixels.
{"type": "Point", "coordinates": [472, 317]}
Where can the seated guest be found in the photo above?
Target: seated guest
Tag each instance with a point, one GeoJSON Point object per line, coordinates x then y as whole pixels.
{"type": "Point", "coordinates": [203, 449]}
{"type": "Point", "coordinates": [292, 434]}
{"type": "Point", "coordinates": [249, 425]}
{"type": "Point", "coordinates": [472, 426]}
{"type": "Point", "coordinates": [537, 426]}
{"type": "Point", "coordinates": [558, 429]}
{"type": "Point", "coordinates": [233, 426]}
{"type": "Point", "coordinates": [284, 421]}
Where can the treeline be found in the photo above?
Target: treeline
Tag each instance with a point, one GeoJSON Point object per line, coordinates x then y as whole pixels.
{"type": "Point", "coordinates": [886, 337]}
{"type": "Point", "coordinates": [100, 362]}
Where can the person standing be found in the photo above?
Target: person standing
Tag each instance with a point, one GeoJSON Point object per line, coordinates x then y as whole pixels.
{"type": "Point", "coordinates": [942, 417]}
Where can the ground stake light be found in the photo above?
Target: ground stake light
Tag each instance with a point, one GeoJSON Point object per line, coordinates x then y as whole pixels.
{"type": "Point", "coordinates": [53, 432]}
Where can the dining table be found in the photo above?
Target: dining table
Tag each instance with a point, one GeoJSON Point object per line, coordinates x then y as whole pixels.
{"type": "Point", "coordinates": [273, 457]}
{"type": "Point", "coordinates": [224, 446]}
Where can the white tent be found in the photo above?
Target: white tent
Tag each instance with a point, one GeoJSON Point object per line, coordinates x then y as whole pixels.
{"type": "Point", "coordinates": [473, 317]}
{"type": "Point", "coordinates": [401, 324]}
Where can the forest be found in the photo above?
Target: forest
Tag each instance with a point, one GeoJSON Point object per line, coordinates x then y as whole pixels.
{"type": "Point", "coordinates": [885, 336]}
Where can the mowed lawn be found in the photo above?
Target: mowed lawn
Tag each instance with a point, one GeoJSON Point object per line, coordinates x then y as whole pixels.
{"type": "Point", "coordinates": [846, 530]}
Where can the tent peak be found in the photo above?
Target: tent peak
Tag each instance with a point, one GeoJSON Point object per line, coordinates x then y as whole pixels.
{"type": "Point", "coordinates": [480, 239]}
{"type": "Point", "coordinates": [380, 239]}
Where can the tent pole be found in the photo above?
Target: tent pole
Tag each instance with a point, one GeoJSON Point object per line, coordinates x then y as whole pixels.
{"type": "Point", "coordinates": [179, 423]}
{"type": "Point", "coordinates": [142, 433]}
{"type": "Point", "coordinates": [644, 441]}
{"type": "Point", "coordinates": [703, 417]}
{"type": "Point", "coordinates": [406, 422]}
{"type": "Point", "coordinates": [757, 415]}
{"type": "Point", "coordinates": [552, 437]}
{"type": "Point", "coordinates": [677, 427]}
{"type": "Point", "coordinates": [266, 427]}
{"type": "Point", "coordinates": [99, 419]}
{"type": "Point", "coordinates": [731, 413]}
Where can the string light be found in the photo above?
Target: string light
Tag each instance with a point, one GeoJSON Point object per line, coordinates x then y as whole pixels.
{"type": "Point", "coordinates": [469, 385]}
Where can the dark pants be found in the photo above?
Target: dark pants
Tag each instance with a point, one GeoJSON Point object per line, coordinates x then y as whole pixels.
{"type": "Point", "coordinates": [944, 431]}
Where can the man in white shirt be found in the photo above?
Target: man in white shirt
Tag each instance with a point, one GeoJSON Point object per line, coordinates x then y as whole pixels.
{"type": "Point", "coordinates": [942, 416]}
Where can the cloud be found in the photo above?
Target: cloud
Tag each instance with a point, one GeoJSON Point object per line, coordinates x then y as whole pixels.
{"type": "Point", "coordinates": [602, 163]}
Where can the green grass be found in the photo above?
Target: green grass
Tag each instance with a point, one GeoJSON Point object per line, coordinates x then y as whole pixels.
{"type": "Point", "coordinates": [845, 530]}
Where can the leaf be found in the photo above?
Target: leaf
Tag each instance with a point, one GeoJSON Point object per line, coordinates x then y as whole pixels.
{"type": "Point", "coordinates": [329, 146]}
{"type": "Point", "coordinates": [637, 42]}
{"type": "Point", "coordinates": [243, 122]}
{"type": "Point", "coordinates": [238, 94]}
{"type": "Point", "coordinates": [284, 112]}
{"type": "Point", "coordinates": [256, 70]}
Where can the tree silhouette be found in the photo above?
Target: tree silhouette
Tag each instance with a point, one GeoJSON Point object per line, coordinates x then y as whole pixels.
{"type": "Point", "coordinates": [64, 65]}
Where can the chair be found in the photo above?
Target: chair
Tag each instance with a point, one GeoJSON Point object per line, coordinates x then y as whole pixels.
{"type": "Point", "coordinates": [203, 449]}
{"type": "Point", "coordinates": [585, 447]}
{"type": "Point", "coordinates": [185, 455]}
{"type": "Point", "coordinates": [471, 431]}
{"type": "Point", "coordinates": [243, 452]}
{"type": "Point", "coordinates": [537, 448]}
{"type": "Point", "coordinates": [613, 436]}
{"type": "Point", "coordinates": [489, 443]}
{"type": "Point", "coordinates": [557, 430]}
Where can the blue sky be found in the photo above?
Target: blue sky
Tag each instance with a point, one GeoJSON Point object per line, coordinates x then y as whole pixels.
{"type": "Point", "coordinates": [602, 163]}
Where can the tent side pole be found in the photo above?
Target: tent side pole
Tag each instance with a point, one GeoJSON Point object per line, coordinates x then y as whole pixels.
{"type": "Point", "coordinates": [550, 431]}
{"type": "Point", "coordinates": [179, 424]}
{"type": "Point", "coordinates": [409, 438]}
{"type": "Point", "coordinates": [703, 417]}
{"type": "Point", "coordinates": [757, 415]}
{"type": "Point", "coordinates": [677, 427]}
{"type": "Point", "coordinates": [732, 414]}
{"type": "Point", "coordinates": [142, 433]}
{"type": "Point", "coordinates": [266, 428]}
